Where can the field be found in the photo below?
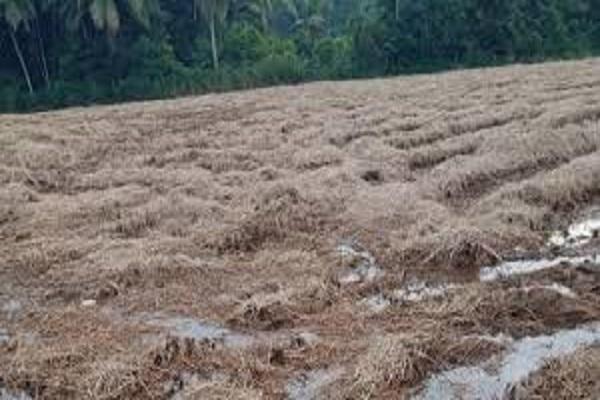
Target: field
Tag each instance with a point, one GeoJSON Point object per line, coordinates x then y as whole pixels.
{"type": "Point", "coordinates": [395, 238]}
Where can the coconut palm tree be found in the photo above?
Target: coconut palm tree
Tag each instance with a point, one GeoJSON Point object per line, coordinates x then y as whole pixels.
{"type": "Point", "coordinates": [17, 14]}
{"type": "Point", "coordinates": [40, 6]}
{"type": "Point", "coordinates": [309, 15]}
{"type": "Point", "coordinates": [263, 9]}
{"type": "Point", "coordinates": [106, 14]}
{"type": "Point", "coordinates": [254, 12]}
{"type": "Point", "coordinates": [214, 13]}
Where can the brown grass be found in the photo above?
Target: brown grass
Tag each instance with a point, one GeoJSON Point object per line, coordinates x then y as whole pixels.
{"type": "Point", "coordinates": [573, 377]}
{"type": "Point", "coordinates": [395, 363]}
{"type": "Point", "coordinates": [229, 208]}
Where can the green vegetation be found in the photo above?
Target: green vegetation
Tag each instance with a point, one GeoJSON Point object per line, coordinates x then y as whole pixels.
{"type": "Point", "coordinates": [55, 53]}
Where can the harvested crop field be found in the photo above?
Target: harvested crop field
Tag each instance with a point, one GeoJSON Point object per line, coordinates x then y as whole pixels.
{"type": "Point", "coordinates": [420, 237]}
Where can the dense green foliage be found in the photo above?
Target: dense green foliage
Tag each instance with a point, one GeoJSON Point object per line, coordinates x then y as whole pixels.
{"type": "Point", "coordinates": [55, 53]}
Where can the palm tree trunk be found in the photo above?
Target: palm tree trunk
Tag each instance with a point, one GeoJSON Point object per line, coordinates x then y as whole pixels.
{"type": "Point", "coordinates": [397, 10]}
{"type": "Point", "coordinates": [21, 61]}
{"type": "Point", "coordinates": [45, 72]}
{"type": "Point", "coordinates": [264, 19]}
{"type": "Point", "coordinates": [213, 43]}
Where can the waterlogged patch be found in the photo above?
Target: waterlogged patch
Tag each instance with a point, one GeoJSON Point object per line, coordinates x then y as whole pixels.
{"type": "Point", "coordinates": [554, 287]}
{"type": "Point", "coordinates": [377, 303]}
{"type": "Point", "coordinates": [412, 293]}
{"type": "Point", "coordinates": [495, 378]}
{"type": "Point", "coordinates": [7, 395]}
{"type": "Point", "coordinates": [304, 339]}
{"type": "Point", "coordinates": [4, 336]}
{"type": "Point", "coordinates": [199, 330]}
{"type": "Point", "coordinates": [12, 308]}
{"type": "Point", "coordinates": [577, 234]}
{"type": "Point", "coordinates": [522, 267]}
{"type": "Point", "coordinates": [88, 303]}
{"type": "Point", "coordinates": [361, 274]}
{"type": "Point", "coordinates": [310, 385]}
{"type": "Point", "coordinates": [420, 291]}
{"type": "Point", "coordinates": [365, 269]}
{"type": "Point", "coordinates": [346, 250]}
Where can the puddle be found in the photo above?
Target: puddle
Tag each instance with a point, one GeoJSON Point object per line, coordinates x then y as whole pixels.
{"type": "Point", "coordinates": [12, 308]}
{"type": "Point", "coordinates": [420, 291]}
{"type": "Point", "coordinates": [88, 303]}
{"type": "Point", "coordinates": [365, 270]}
{"type": "Point", "coordinates": [346, 250]}
{"type": "Point", "coordinates": [305, 339]}
{"type": "Point", "coordinates": [494, 379]}
{"type": "Point", "coordinates": [361, 274]}
{"type": "Point", "coordinates": [7, 395]}
{"type": "Point", "coordinates": [377, 303]}
{"type": "Point", "coordinates": [577, 234]}
{"type": "Point", "coordinates": [522, 267]}
{"type": "Point", "coordinates": [554, 287]}
{"type": "Point", "coordinates": [199, 330]}
{"type": "Point", "coordinates": [309, 385]}
{"type": "Point", "coordinates": [411, 293]}
{"type": "Point", "coordinates": [4, 336]}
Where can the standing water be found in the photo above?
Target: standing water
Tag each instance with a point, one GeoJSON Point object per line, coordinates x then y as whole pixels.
{"type": "Point", "coordinates": [522, 267]}
{"type": "Point", "coordinates": [577, 234]}
{"type": "Point", "coordinates": [365, 269]}
{"type": "Point", "coordinates": [6, 395]}
{"type": "Point", "coordinates": [310, 385]}
{"type": "Point", "coordinates": [493, 379]}
{"type": "Point", "coordinates": [199, 330]}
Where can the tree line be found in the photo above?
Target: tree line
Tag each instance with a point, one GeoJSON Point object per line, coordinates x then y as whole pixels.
{"type": "Point", "coordinates": [56, 53]}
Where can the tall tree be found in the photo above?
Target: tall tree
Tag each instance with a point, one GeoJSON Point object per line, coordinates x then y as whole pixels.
{"type": "Point", "coordinates": [262, 8]}
{"type": "Point", "coordinates": [214, 13]}
{"type": "Point", "coordinates": [310, 16]}
{"type": "Point", "coordinates": [17, 14]}
{"type": "Point", "coordinates": [39, 7]}
{"type": "Point", "coordinates": [106, 15]}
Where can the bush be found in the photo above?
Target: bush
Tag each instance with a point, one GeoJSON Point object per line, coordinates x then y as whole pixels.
{"type": "Point", "coordinates": [280, 68]}
{"type": "Point", "coordinates": [244, 44]}
{"type": "Point", "coordinates": [332, 58]}
{"type": "Point", "coordinates": [369, 55]}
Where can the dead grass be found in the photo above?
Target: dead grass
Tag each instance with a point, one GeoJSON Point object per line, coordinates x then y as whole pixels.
{"type": "Point", "coordinates": [462, 247]}
{"type": "Point", "coordinates": [431, 155]}
{"type": "Point", "coordinates": [277, 214]}
{"type": "Point", "coordinates": [230, 207]}
{"type": "Point", "coordinates": [573, 377]}
{"type": "Point", "coordinates": [513, 311]}
{"type": "Point", "coordinates": [395, 363]}
{"type": "Point", "coordinates": [219, 390]}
